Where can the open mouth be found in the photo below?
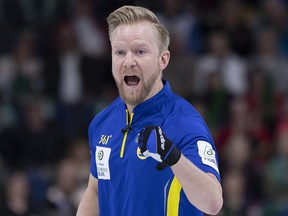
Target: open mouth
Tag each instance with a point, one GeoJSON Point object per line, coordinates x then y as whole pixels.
{"type": "Point", "coordinates": [131, 80]}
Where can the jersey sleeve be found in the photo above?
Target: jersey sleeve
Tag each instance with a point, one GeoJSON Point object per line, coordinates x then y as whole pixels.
{"type": "Point", "coordinates": [194, 141]}
{"type": "Point", "coordinates": [93, 169]}
{"type": "Point", "coordinates": [202, 153]}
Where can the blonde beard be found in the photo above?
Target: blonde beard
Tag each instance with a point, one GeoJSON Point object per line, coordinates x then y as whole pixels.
{"type": "Point", "coordinates": [135, 98]}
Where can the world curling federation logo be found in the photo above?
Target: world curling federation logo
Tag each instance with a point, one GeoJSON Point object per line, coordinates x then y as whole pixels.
{"type": "Point", "coordinates": [140, 155]}
{"type": "Point", "coordinates": [100, 155]}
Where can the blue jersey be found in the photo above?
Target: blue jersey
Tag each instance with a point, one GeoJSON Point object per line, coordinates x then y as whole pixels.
{"type": "Point", "coordinates": [129, 183]}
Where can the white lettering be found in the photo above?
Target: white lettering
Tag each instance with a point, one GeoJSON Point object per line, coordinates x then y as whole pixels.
{"type": "Point", "coordinates": [162, 140]}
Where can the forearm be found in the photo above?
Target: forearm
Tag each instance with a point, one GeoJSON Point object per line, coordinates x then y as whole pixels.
{"type": "Point", "coordinates": [89, 203]}
{"type": "Point", "coordinates": [202, 189]}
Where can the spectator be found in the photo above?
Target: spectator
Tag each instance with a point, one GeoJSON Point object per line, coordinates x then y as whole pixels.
{"type": "Point", "coordinates": [63, 193]}
{"type": "Point", "coordinates": [268, 59]}
{"type": "Point", "coordinates": [220, 59]}
{"type": "Point", "coordinates": [42, 142]}
{"type": "Point", "coordinates": [89, 32]}
{"type": "Point", "coordinates": [236, 124]}
{"type": "Point", "coordinates": [233, 20]}
{"type": "Point", "coordinates": [217, 100]}
{"type": "Point", "coordinates": [20, 72]}
{"type": "Point", "coordinates": [181, 21]}
{"type": "Point", "coordinates": [276, 183]}
{"type": "Point", "coordinates": [62, 72]}
{"type": "Point", "coordinates": [274, 16]}
{"type": "Point", "coordinates": [79, 154]}
{"type": "Point", "coordinates": [234, 194]}
{"type": "Point", "coordinates": [17, 196]}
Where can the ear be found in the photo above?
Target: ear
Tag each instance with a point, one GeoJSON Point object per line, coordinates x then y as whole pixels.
{"type": "Point", "coordinates": [164, 59]}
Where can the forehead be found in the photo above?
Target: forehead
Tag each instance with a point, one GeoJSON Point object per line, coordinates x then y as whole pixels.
{"type": "Point", "coordinates": [140, 31]}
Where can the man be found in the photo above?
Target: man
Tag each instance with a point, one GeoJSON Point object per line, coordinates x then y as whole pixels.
{"type": "Point", "coordinates": [151, 152]}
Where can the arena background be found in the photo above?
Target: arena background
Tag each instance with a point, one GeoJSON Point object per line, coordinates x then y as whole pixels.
{"type": "Point", "coordinates": [229, 59]}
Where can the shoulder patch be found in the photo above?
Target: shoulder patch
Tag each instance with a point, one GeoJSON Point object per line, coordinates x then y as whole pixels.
{"type": "Point", "coordinates": [102, 156]}
{"type": "Point", "coordinates": [207, 154]}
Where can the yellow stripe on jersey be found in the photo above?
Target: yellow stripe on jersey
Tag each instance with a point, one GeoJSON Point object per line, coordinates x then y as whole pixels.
{"type": "Point", "coordinates": [174, 198]}
{"type": "Point", "coordinates": [128, 121]}
{"type": "Point", "coordinates": [123, 144]}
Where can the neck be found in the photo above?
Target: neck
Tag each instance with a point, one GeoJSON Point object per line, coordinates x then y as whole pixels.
{"type": "Point", "coordinates": [130, 108]}
{"type": "Point", "coordinates": [155, 91]}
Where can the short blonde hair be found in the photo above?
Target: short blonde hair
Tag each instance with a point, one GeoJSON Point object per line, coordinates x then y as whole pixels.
{"type": "Point", "coordinates": [134, 14]}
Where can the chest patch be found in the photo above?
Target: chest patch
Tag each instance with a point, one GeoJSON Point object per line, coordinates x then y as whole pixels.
{"type": "Point", "coordinates": [102, 155]}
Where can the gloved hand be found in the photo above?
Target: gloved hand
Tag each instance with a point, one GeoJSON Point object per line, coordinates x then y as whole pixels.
{"type": "Point", "coordinates": [153, 143]}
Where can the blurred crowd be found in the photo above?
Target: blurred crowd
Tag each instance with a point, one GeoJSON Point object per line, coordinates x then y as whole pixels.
{"type": "Point", "coordinates": [229, 59]}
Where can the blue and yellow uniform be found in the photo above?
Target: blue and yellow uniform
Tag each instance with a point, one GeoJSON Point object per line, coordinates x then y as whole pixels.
{"type": "Point", "coordinates": [128, 183]}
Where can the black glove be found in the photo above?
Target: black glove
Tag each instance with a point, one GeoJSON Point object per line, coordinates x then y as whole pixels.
{"type": "Point", "coordinates": [153, 143]}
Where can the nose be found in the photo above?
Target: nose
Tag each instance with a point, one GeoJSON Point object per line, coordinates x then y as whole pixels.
{"type": "Point", "coordinates": [129, 60]}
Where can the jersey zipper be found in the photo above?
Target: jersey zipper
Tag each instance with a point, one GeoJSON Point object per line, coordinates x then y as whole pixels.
{"type": "Point", "coordinates": [126, 130]}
